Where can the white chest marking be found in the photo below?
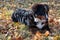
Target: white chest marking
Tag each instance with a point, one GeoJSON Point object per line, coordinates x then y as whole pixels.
{"type": "Point", "coordinates": [39, 24]}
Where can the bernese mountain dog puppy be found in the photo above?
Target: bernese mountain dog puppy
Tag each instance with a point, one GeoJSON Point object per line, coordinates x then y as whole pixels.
{"type": "Point", "coordinates": [36, 17]}
{"type": "Point", "coordinates": [41, 11]}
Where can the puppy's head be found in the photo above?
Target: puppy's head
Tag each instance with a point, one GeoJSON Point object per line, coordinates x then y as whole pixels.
{"type": "Point", "coordinates": [38, 9]}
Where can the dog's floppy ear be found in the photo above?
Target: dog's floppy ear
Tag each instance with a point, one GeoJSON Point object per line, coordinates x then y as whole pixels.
{"type": "Point", "coordinates": [46, 8]}
{"type": "Point", "coordinates": [34, 7]}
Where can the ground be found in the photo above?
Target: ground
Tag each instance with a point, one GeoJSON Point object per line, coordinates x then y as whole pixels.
{"type": "Point", "coordinates": [20, 31]}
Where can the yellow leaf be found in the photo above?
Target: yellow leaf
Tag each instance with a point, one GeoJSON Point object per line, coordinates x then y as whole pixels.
{"type": "Point", "coordinates": [46, 33]}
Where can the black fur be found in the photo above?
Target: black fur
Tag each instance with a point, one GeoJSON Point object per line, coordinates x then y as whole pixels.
{"type": "Point", "coordinates": [22, 16]}
{"type": "Point", "coordinates": [27, 17]}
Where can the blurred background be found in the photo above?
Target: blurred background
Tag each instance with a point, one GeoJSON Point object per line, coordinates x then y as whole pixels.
{"type": "Point", "coordinates": [13, 31]}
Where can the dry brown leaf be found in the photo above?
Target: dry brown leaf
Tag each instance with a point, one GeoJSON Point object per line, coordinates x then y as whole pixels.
{"type": "Point", "coordinates": [37, 35]}
{"type": "Point", "coordinates": [46, 33]}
